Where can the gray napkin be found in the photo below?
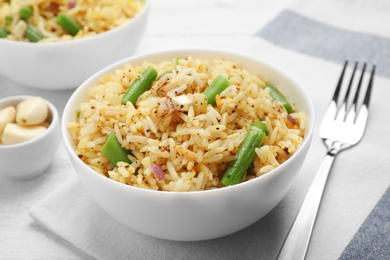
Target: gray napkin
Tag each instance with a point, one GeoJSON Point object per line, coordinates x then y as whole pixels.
{"type": "Point", "coordinates": [372, 241]}
{"type": "Point", "coordinates": [297, 32]}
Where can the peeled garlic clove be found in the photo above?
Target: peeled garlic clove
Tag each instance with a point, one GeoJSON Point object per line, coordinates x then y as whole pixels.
{"type": "Point", "coordinates": [7, 115]}
{"type": "Point", "coordinates": [19, 29]}
{"type": "Point", "coordinates": [31, 111]}
{"type": "Point", "coordinates": [14, 133]}
{"type": "Point", "coordinates": [182, 102]}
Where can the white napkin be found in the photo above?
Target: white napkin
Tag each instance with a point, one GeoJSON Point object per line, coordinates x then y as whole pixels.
{"type": "Point", "coordinates": [73, 215]}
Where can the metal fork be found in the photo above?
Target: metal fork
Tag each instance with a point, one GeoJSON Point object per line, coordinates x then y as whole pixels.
{"type": "Point", "coordinates": [342, 127]}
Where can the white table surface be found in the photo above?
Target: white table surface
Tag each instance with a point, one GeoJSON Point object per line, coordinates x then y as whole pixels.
{"type": "Point", "coordinates": [172, 23]}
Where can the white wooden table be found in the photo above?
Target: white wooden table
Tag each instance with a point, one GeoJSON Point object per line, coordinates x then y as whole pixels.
{"type": "Point", "coordinates": [227, 24]}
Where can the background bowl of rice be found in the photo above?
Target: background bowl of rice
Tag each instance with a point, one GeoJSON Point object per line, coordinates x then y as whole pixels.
{"type": "Point", "coordinates": [194, 215]}
{"type": "Point", "coordinates": [66, 64]}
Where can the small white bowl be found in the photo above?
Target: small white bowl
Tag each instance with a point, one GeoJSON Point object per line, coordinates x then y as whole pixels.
{"type": "Point", "coordinates": [199, 215]}
{"type": "Point", "coordinates": [65, 65]}
{"type": "Point", "coordinates": [30, 159]}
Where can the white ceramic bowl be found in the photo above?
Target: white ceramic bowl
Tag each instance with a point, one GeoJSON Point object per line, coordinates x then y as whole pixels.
{"type": "Point", "coordinates": [198, 215]}
{"type": "Point", "coordinates": [65, 65]}
{"type": "Point", "coordinates": [29, 159]}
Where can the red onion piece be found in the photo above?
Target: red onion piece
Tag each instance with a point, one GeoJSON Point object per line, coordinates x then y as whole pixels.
{"type": "Point", "coordinates": [71, 4]}
{"type": "Point", "coordinates": [292, 120]}
{"type": "Point", "coordinates": [158, 171]}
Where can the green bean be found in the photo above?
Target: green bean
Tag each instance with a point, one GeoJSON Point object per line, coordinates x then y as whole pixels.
{"type": "Point", "coordinates": [162, 75]}
{"type": "Point", "coordinates": [78, 113]}
{"type": "Point", "coordinates": [218, 85]}
{"type": "Point", "coordinates": [245, 156]}
{"type": "Point", "coordinates": [7, 21]}
{"type": "Point", "coordinates": [3, 33]}
{"type": "Point", "coordinates": [180, 58]}
{"type": "Point", "coordinates": [251, 170]}
{"type": "Point", "coordinates": [276, 95]}
{"type": "Point", "coordinates": [33, 34]}
{"type": "Point", "coordinates": [25, 12]}
{"type": "Point", "coordinates": [139, 86]}
{"type": "Point", "coordinates": [261, 125]}
{"type": "Point", "coordinates": [113, 150]}
{"type": "Point", "coordinates": [68, 24]}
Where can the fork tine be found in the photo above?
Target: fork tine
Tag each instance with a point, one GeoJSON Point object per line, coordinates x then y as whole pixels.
{"type": "Point", "coordinates": [342, 112]}
{"type": "Point", "coordinates": [369, 88]}
{"type": "Point", "coordinates": [361, 119]}
{"type": "Point", "coordinates": [331, 111]}
{"type": "Point", "coordinates": [350, 117]}
{"type": "Point", "coordinates": [350, 85]}
{"type": "Point", "coordinates": [339, 84]}
{"type": "Point", "coordinates": [355, 100]}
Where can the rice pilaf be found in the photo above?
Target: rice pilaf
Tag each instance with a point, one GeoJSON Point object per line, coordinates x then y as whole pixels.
{"type": "Point", "coordinates": [93, 16]}
{"type": "Point", "coordinates": [194, 143]}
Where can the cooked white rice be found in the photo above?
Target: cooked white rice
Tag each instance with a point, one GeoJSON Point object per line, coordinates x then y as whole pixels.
{"type": "Point", "coordinates": [94, 17]}
{"type": "Point", "coordinates": [193, 146]}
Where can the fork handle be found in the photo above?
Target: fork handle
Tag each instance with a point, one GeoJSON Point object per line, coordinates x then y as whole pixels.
{"type": "Point", "coordinates": [298, 238]}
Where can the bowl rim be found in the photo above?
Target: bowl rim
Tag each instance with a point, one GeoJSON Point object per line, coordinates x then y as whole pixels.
{"type": "Point", "coordinates": [54, 122]}
{"type": "Point", "coordinates": [171, 52]}
{"type": "Point", "coordinates": [129, 23]}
